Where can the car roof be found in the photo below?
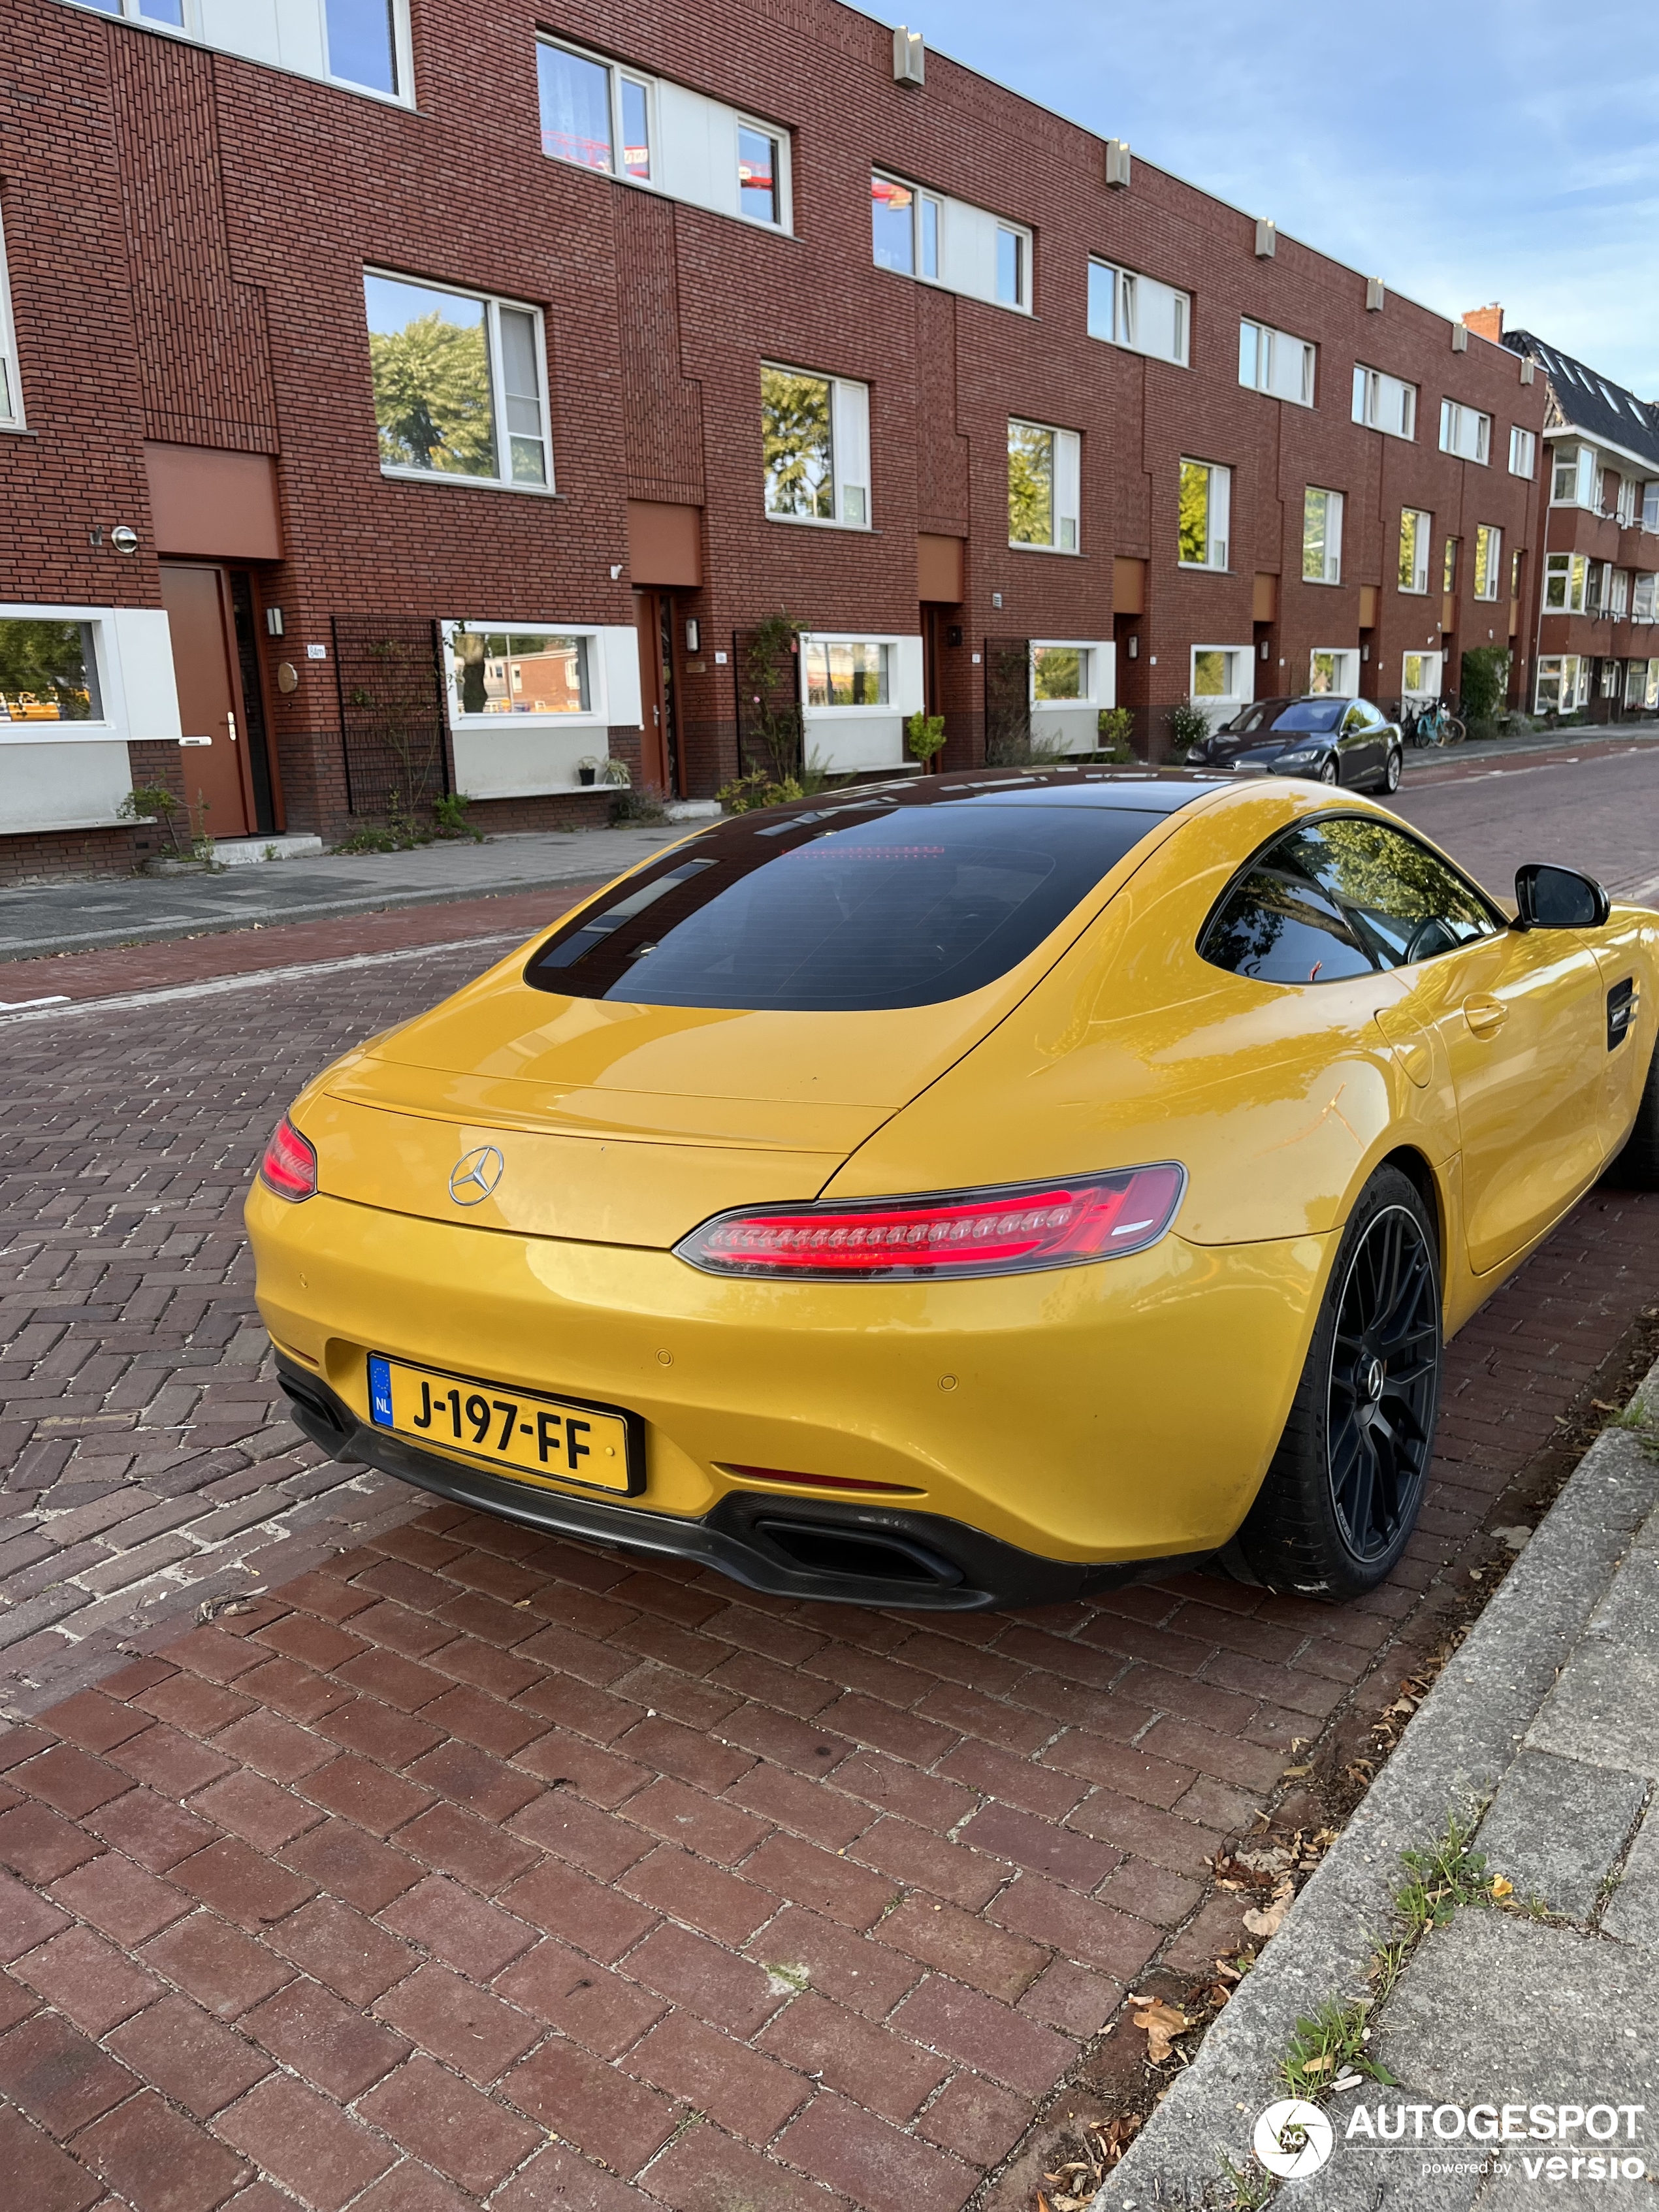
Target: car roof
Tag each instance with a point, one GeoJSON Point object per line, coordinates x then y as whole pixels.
{"type": "Point", "coordinates": [1135, 790]}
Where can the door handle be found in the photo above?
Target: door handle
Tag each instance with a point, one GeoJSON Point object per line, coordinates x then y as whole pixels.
{"type": "Point", "coordinates": [231, 719]}
{"type": "Point", "coordinates": [1485, 1016]}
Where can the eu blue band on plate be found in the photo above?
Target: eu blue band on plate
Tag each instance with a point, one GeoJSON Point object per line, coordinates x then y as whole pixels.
{"type": "Point", "coordinates": [379, 1390]}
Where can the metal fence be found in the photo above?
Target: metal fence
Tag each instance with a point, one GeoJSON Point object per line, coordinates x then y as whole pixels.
{"type": "Point", "coordinates": [391, 712]}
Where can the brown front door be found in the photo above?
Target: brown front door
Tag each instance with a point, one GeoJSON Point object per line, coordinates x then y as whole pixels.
{"type": "Point", "coordinates": [654, 618]}
{"type": "Point", "coordinates": [197, 598]}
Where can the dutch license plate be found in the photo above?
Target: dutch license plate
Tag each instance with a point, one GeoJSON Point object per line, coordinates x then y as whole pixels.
{"type": "Point", "coordinates": [522, 1434]}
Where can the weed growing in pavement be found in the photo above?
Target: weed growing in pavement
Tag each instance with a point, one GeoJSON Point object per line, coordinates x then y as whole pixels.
{"type": "Point", "coordinates": [1328, 2046]}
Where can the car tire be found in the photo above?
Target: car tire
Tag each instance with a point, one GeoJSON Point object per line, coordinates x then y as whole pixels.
{"type": "Point", "coordinates": [1342, 1495]}
{"type": "Point", "coordinates": [1328, 771]}
{"type": "Point", "coordinates": [1391, 769]}
{"type": "Point", "coordinates": [1637, 1167]}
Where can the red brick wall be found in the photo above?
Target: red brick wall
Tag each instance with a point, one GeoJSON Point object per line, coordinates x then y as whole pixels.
{"type": "Point", "coordinates": [211, 219]}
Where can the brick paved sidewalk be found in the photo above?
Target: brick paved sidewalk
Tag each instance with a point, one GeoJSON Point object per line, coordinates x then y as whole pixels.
{"type": "Point", "coordinates": [475, 1866]}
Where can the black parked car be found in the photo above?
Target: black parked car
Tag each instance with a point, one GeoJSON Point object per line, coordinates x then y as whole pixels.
{"type": "Point", "coordinates": [1335, 740]}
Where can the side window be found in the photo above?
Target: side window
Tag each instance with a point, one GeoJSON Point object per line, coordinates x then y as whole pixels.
{"type": "Point", "coordinates": [1401, 901]}
{"type": "Point", "coordinates": [1276, 927]}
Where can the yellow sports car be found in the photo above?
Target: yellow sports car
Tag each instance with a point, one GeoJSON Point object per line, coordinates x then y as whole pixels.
{"type": "Point", "coordinates": [974, 1192]}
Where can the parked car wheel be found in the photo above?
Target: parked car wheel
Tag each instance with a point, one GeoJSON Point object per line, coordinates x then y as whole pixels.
{"type": "Point", "coordinates": [1328, 770]}
{"type": "Point", "coordinates": [1342, 1495]}
{"type": "Point", "coordinates": [1391, 770]}
{"type": "Point", "coordinates": [1637, 1167]}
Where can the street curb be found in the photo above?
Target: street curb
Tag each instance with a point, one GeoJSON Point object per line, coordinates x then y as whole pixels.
{"type": "Point", "coordinates": [1460, 1743]}
{"type": "Point", "coordinates": [1494, 749]}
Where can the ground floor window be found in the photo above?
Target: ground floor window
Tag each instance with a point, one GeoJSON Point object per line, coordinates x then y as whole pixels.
{"type": "Point", "coordinates": [1419, 676]}
{"type": "Point", "coordinates": [531, 672]}
{"type": "Point", "coordinates": [1334, 671]}
{"type": "Point", "coordinates": [1062, 673]}
{"type": "Point", "coordinates": [1609, 679]}
{"type": "Point", "coordinates": [1221, 676]}
{"type": "Point", "coordinates": [846, 672]}
{"type": "Point", "coordinates": [48, 671]}
{"type": "Point", "coordinates": [1563, 684]}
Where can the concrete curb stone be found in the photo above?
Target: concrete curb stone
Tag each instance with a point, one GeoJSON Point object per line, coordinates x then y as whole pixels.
{"type": "Point", "coordinates": [1460, 1744]}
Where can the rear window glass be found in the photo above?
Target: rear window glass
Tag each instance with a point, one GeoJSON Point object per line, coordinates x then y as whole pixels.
{"type": "Point", "coordinates": [813, 913]}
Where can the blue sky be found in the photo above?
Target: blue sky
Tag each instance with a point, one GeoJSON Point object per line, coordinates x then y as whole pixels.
{"type": "Point", "coordinates": [1463, 150]}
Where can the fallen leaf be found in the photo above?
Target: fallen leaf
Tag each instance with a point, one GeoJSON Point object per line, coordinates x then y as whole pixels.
{"type": "Point", "coordinates": [1320, 2065]}
{"type": "Point", "coordinates": [1270, 1859]}
{"type": "Point", "coordinates": [1266, 1919]}
{"type": "Point", "coordinates": [1295, 1773]}
{"type": "Point", "coordinates": [1160, 2023]}
{"type": "Point", "coordinates": [1501, 1887]}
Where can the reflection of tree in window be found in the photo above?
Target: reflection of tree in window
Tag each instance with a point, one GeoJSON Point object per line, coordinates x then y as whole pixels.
{"type": "Point", "coordinates": [1194, 513]}
{"type": "Point", "coordinates": [48, 672]}
{"type": "Point", "coordinates": [432, 398]}
{"type": "Point", "coordinates": [1030, 485]}
{"type": "Point", "coordinates": [1057, 672]}
{"type": "Point", "coordinates": [1277, 929]}
{"type": "Point", "coordinates": [796, 442]}
{"type": "Point", "coordinates": [1400, 899]}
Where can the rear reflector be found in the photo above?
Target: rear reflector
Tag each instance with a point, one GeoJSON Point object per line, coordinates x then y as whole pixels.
{"type": "Point", "coordinates": [289, 1166]}
{"type": "Point", "coordinates": [1009, 1230]}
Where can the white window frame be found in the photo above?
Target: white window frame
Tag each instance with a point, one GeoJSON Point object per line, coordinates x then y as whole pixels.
{"type": "Point", "coordinates": [1334, 504]}
{"type": "Point", "coordinates": [1619, 594]}
{"type": "Point", "coordinates": [1627, 501]}
{"type": "Point", "coordinates": [1573, 569]}
{"type": "Point", "coordinates": [1524, 451]}
{"type": "Point", "coordinates": [1024, 271]}
{"type": "Point", "coordinates": [1276, 361]}
{"type": "Point", "coordinates": [1409, 690]}
{"type": "Point", "coordinates": [1585, 463]}
{"type": "Point", "coordinates": [1067, 478]}
{"type": "Point", "coordinates": [493, 303]}
{"type": "Point", "coordinates": [1453, 417]}
{"type": "Point", "coordinates": [1347, 659]}
{"type": "Point", "coordinates": [1090, 650]}
{"type": "Point", "coordinates": [133, 654]}
{"type": "Point", "coordinates": [921, 200]}
{"type": "Point", "coordinates": [11, 416]}
{"type": "Point", "coordinates": [1560, 663]}
{"type": "Point", "coordinates": [1126, 316]}
{"type": "Point", "coordinates": [289, 34]}
{"type": "Point", "coordinates": [849, 452]}
{"type": "Point", "coordinates": [615, 73]}
{"type": "Point", "coordinates": [1371, 387]}
{"type": "Point", "coordinates": [1494, 538]}
{"type": "Point", "coordinates": [1217, 543]}
{"type": "Point", "coordinates": [598, 715]}
{"type": "Point", "coordinates": [1645, 598]}
{"type": "Point", "coordinates": [1241, 677]}
{"type": "Point", "coordinates": [783, 223]}
{"type": "Point", "coordinates": [1422, 547]}
{"type": "Point", "coordinates": [1650, 506]}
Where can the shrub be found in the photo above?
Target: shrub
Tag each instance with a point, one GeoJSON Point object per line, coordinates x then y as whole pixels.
{"type": "Point", "coordinates": [746, 792]}
{"type": "Point", "coordinates": [925, 736]}
{"type": "Point", "coordinates": [1186, 726]}
{"type": "Point", "coordinates": [449, 812]}
{"type": "Point", "coordinates": [1486, 681]}
{"type": "Point", "coordinates": [1113, 726]}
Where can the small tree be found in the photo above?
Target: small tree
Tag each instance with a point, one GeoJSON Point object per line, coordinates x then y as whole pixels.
{"type": "Point", "coordinates": [925, 736]}
{"type": "Point", "coordinates": [1485, 682]}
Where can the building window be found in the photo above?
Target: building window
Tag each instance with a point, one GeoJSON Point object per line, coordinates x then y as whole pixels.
{"type": "Point", "coordinates": [1138, 313]}
{"type": "Point", "coordinates": [760, 174]}
{"type": "Point", "coordinates": [1595, 584]}
{"type": "Point", "coordinates": [1523, 452]}
{"type": "Point", "coordinates": [593, 115]}
{"type": "Point", "coordinates": [49, 672]}
{"type": "Point", "coordinates": [905, 228]}
{"type": "Point", "coordinates": [1566, 582]}
{"type": "Point", "coordinates": [1415, 529]}
{"type": "Point", "coordinates": [1383, 403]}
{"type": "Point", "coordinates": [1205, 500]}
{"type": "Point", "coordinates": [1448, 566]}
{"type": "Point", "coordinates": [1419, 676]}
{"type": "Point", "coordinates": [1627, 489]}
{"type": "Point", "coordinates": [1272, 362]}
{"type": "Point", "coordinates": [1062, 674]}
{"type": "Point", "coordinates": [1619, 593]}
{"type": "Point", "coordinates": [1465, 431]}
{"type": "Point", "coordinates": [1643, 598]}
{"type": "Point", "coordinates": [1488, 560]}
{"type": "Point", "coordinates": [1221, 675]}
{"type": "Point", "coordinates": [815, 443]}
{"type": "Point", "coordinates": [1043, 483]}
{"type": "Point", "coordinates": [541, 673]}
{"type": "Point", "coordinates": [846, 671]}
{"type": "Point", "coordinates": [461, 389]}
{"type": "Point", "coordinates": [1014, 267]}
{"type": "Point", "coordinates": [1563, 684]}
{"type": "Point", "coordinates": [1575, 478]}
{"type": "Point", "coordinates": [1321, 536]}
{"type": "Point", "coordinates": [362, 43]}
{"type": "Point", "coordinates": [1650, 507]}
{"type": "Point", "coordinates": [11, 397]}
{"type": "Point", "coordinates": [1609, 679]}
{"type": "Point", "coordinates": [1334, 673]}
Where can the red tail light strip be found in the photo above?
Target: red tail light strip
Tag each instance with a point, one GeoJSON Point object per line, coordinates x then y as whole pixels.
{"type": "Point", "coordinates": [1010, 1229]}
{"type": "Point", "coordinates": [289, 1166]}
{"type": "Point", "coordinates": [817, 1481]}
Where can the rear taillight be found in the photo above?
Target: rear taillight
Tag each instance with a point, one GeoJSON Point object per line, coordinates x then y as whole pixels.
{"type": "Point", "coordinates": [1009, 1230]}
{"type": "Point", "coordinates": [289, 1166]}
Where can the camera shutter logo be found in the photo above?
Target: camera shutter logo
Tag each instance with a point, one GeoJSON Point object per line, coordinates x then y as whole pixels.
{"type": "Point", "coordinates": [1292, 2138]}
{"type": "Point", "coordinates": [475, 1174]}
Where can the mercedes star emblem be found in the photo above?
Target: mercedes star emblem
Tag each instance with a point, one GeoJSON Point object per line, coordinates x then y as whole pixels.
{"type": "Point", "coordinates": [475, 1174]}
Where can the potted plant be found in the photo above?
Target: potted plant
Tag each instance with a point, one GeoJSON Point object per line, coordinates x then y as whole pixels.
{"type": "Point", "coordinates": [613, 771]}
{"type": "Point", "coordinates": [587, 768]}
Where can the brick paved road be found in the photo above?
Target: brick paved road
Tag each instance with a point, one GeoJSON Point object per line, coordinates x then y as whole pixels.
{"type": "Point", "coordinates": [471, 1866]}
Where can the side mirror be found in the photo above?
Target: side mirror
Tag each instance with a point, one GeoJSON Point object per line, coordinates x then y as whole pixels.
{"type": "Point", "coordinates": [1549, 897]}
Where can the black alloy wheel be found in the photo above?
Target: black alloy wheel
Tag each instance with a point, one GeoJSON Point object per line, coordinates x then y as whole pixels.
{"type": "Point", "coordinates": [1328, 772]}
{"type": "Point", "coordinates": [1392, 769]}
{"type": "Point", "coordinates": [1385, 1376]}
{"type": "Point", "coordinates": [1341, 1497]}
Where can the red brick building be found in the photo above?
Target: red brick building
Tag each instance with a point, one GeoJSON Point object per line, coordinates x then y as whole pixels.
{"type": "Point", "coordinates": [389, 420]}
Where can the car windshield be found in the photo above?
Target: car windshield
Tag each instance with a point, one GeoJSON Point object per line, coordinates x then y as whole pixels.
{"type": "Point", "coordinates": [903, 905]}
{"type": "Point", "coordinates": [1317, 715]}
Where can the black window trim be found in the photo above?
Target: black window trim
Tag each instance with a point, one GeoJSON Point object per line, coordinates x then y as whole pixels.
{"type": "Point", "coordinates": [1501, 921]}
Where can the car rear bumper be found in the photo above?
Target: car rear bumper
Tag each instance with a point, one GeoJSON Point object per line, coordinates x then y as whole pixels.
{"type": "Point", "coordinates": [851, 1554]}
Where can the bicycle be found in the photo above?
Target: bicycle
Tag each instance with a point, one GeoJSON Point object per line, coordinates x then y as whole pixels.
{"type": "Point", "coordinates": [1436, 725]}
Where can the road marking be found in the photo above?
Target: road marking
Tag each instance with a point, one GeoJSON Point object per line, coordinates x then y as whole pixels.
{"type": "Point", "coordinates": [300, 973]}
